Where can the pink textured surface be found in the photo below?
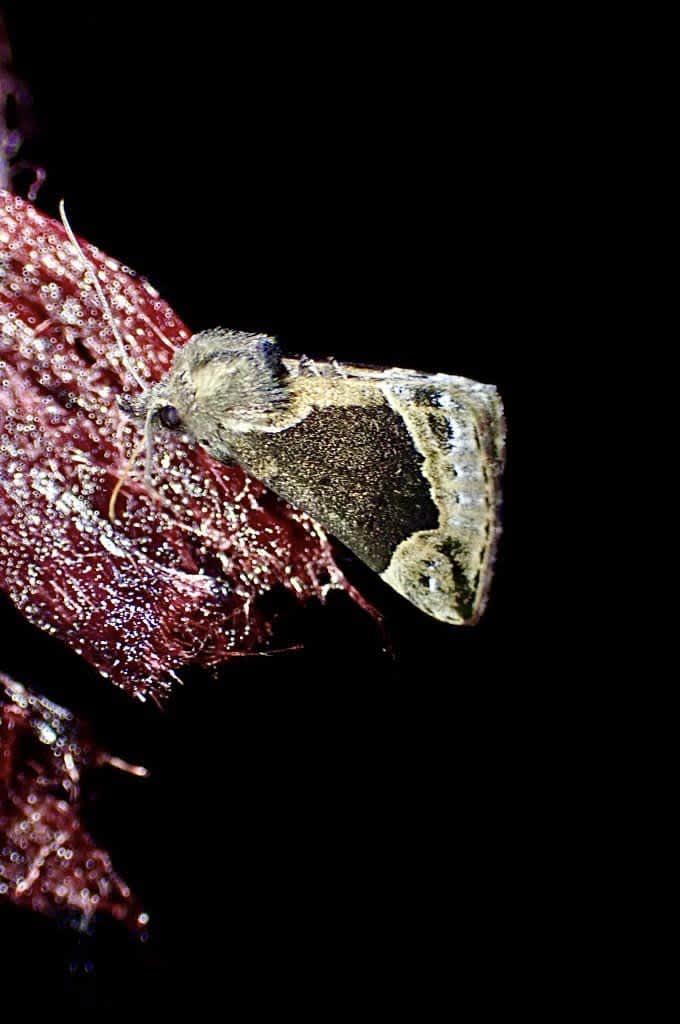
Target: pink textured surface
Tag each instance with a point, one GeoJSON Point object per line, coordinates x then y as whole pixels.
{"type": "Point", "coordinates": [47, 860]}
{"type": "Point", "coordinates": [176, 578]}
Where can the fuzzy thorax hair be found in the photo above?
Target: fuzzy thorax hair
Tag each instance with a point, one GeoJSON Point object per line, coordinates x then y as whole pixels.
{"type": "Point", "coordinates": [219, 378]}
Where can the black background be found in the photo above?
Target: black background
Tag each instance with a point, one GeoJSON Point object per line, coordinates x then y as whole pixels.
{"type": "Point", "coordinates": [333, 819]}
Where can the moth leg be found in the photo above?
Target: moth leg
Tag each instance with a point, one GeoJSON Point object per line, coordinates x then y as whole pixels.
{"type": "Point", "coordinates": [123, 478]}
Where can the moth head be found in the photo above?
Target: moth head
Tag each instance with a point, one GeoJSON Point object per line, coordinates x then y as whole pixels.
{"type": "Point", "coordinates": [153, 407]}
{"type": "Point", "coordinates": [220, 381]}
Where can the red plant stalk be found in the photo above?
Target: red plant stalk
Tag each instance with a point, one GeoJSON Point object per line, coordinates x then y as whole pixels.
{"type": "Point", "coordinates": [178, 575]}
{"type": "Point", "coordinates": [12, 138]}
{"type": "Point", "coordinates": [48, 862]}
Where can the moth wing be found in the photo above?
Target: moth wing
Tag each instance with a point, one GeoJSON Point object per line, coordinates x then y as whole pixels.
{"type": "Point", "coordinates": [457, 426]}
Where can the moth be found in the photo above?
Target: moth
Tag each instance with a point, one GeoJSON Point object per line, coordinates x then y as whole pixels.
{"type": "Point", "coordinates": [400, 466]}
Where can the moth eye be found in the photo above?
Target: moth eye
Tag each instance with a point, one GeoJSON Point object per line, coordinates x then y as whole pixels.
{"type": "Point", "coordinates": [169, 417]}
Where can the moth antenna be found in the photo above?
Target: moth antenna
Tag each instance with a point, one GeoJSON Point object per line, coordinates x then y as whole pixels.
{"type": "Point", "coordinates": [122, 480]}
{"type": "Point", "coordinates": [127, 362]}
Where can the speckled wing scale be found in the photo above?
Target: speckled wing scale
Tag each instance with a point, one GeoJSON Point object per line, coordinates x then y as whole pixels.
{"type": "Point", "coordinates": [402, 467]}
